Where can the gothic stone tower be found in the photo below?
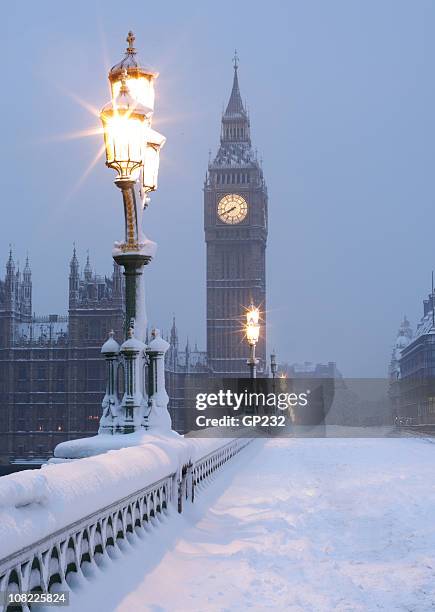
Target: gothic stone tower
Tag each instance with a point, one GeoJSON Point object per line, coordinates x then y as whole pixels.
{"type": "Point", "coordinates": [235, 223]}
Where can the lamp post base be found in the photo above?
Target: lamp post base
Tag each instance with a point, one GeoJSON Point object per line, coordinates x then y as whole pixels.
{"type": "Point", "coordinates": [252, 361]}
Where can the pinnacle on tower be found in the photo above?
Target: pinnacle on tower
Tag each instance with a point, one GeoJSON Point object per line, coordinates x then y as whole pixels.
{"type": "Point", "coordinates": [27, 273]}
{"type": "Point", "coordinates": [74, 263]}
{"type": "Point", "coordinates": [10, 266]}
{"type": "Point", "coordinates": [174, 334]}
{"type": "Point", "coordinates": [88, 269]}
{"type": "Point", "coordinates": [235, 104]}
{"type": "Point", "coordinates": [235, 128]}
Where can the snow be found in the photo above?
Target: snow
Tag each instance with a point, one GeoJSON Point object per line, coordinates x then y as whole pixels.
{"type": "Point", "coordinates": [102, 443]}
{"type": "Point", "coordinates": [304, 525]}
{"type": "Point", "coordinates": [35, 503]}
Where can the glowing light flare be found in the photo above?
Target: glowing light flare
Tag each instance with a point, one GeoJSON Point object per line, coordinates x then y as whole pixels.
{"type": "Point", "coordinates": [140, 87]}
{"type": "Point", "coordinates": [94, 131]}
{"type": "Point", "coordinates": [86, 173]}
{"type": "Point", "coordinates": [86, 105]}
{"type": "Point", "coordinates": [252, 329]}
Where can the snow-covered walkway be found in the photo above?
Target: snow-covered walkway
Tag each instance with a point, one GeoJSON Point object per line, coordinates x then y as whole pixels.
{"type": "Point", "coordinates": [302, 525]}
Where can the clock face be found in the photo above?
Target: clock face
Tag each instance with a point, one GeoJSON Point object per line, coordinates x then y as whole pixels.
{"type": "Point", "coordinates": [232, 208]}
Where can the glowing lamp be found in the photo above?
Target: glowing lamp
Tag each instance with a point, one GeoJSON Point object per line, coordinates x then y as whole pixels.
{"type": "Point", "coordinates": [125, 124]}
{"type": "Point", "coordinates": [140, 80]}
{"type": "Point", "coordinates": [252, 325]}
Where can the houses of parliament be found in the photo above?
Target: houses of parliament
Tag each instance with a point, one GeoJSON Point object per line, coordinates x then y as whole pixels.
{"type": "Point", "coordinates": [52, 375]}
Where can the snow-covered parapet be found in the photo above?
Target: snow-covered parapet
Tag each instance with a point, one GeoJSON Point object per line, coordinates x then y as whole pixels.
{"type": "Point", "coordinates": [100, 444]}
{"type": "Point", "coordinates": [19, 490]}
{"type": "Point", "coordinates": [36, 503]}
{"type": "Point", "coordinates": [47, 507]}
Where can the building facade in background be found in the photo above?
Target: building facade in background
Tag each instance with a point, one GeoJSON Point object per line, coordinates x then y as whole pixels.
{"type": "Point", "coordinates": [416, 367]}
{"type": "Point", "coordinates": [185, 369]}
{"type": "Point", "coordinates": [403, 338]}
{"type": "Point", "coordinates": [235, 224]}
{"type": "Point", "coordinates": [52, 376]}
{"type": "Point", "coordinates": [308, 369]}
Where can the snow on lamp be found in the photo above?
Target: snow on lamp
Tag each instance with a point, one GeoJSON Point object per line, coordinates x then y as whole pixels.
{"type": "Point", "coordinates": [150, 170]}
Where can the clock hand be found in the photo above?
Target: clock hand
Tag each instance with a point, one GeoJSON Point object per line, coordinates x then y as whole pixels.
{"type": "Point", "coordinates": [227, 212]}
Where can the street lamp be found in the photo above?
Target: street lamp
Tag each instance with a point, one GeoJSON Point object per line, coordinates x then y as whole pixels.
{"type": "Point", "coordinates": [273, 364]}
{"type": "Point", "coordinates": [132, 150]}
{"type": "Point", "coordinates": [252, 331]}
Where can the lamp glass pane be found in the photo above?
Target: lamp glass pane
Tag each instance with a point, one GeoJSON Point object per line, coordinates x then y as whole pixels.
{"type": "Point", "coordinates": [141, 88]}
{"type": "Point", "coordinates": [252, 333]}
{"type": "Point", "coordinates": [124, 137]}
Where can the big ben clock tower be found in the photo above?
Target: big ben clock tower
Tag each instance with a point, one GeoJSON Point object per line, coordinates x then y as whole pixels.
{"type": "Point", "coordinates": [235, 223]}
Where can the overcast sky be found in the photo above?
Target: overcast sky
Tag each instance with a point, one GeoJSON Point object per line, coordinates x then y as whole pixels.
{"type": "Point", "coordinates": [342, 102]}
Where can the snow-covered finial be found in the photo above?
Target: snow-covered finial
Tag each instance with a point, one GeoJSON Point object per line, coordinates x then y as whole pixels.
{"type": "Point", "coordinates": [130, 39]}
{"type": "Point", "coordinates": [110, 346]}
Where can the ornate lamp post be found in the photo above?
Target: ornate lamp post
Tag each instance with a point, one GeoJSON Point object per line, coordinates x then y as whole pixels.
{"type": "Point", "coordinates": [252, 331]}
{"type": "Point", "coordinates": [132, 150]}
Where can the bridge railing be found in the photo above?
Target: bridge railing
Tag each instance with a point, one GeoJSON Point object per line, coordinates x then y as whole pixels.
{"type": "Point", "coordinates": [47, 564]}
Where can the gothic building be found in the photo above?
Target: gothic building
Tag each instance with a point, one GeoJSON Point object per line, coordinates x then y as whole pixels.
{"type": "Point", "coordinates": [235, 223]}
{"type": "Point", "coordinates": [52, 377]}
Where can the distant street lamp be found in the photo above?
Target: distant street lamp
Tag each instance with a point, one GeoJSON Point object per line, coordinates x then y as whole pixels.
{"type": "Point", "coordinates": [273, 364]}
{"type": "Point", "coordinates": [133, 151]}
{"type": "Point", "coordinates": [252, 331]}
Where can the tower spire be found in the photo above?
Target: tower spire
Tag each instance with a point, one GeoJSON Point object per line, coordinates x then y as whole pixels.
{"type": "Point", "coordinates": [174, 334]}
{"type": "Point", "coordinates": [27, 271]}
{"type": "Point", "coordinates": [235, 104]}
{"type": "Point", "coordinates": [88, 269]}
{"type": "Point", "coordinates": [10, 266]}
